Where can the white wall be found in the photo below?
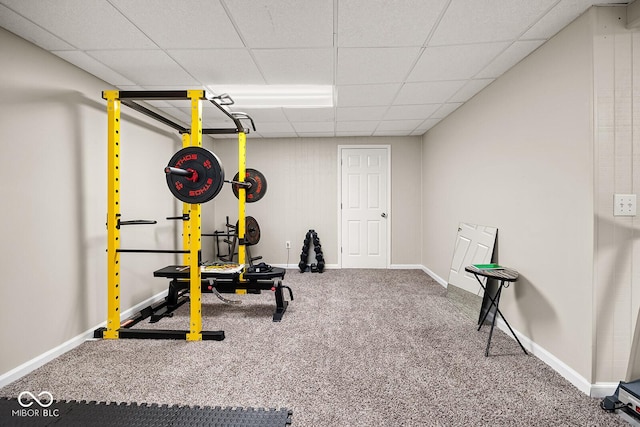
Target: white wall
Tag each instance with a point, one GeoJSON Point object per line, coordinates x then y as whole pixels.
{"type": "Point", "coordinates": [302, 194]}
{"type": "Point", "coordinates": [617, 170]}
{"type": "Point", "coordinates": [53, 254]}
{"type": "Point", "coordinates": [519, 157]}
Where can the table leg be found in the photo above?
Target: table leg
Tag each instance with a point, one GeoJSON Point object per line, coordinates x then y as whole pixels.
{"type": "Point", "coordinates": [493, 321]}
{"type": "Point", "coordinates": [512, 333]}
{"type": "Point", "coordinates": [486, 313]}
{"type": "Point", "coordinates": [495, 302]}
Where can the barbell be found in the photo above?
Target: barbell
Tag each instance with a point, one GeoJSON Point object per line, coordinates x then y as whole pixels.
{"type": "Point", "coordinates": [195, 175]}
{"type": "Point", "coordinates": [256, 188]}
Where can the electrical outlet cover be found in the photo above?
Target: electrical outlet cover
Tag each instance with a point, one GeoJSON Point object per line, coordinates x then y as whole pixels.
{"type": "Point", "coordinates": [624, 205]}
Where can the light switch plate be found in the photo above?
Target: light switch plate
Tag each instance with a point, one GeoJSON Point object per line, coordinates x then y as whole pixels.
{"type": "Point", "coordinates": [624, 205]}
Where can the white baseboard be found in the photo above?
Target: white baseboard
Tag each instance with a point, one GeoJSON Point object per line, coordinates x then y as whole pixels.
{"type": "Point", "coordinates": [405, 267]}
{"type": "Point", "coordinates": [602, 390]}
{"type": "Point", "coordinates": [285, 266]}
{"type": "Point", "coordinates": [36, 362]}
{"type": "Point", "coordinates": [435, 277]}
{"type": "Point", "coordinates": [598, 390]}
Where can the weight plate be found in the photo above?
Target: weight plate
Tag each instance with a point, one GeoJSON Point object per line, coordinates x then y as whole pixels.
{"type": "Point", "coordinates": [205, 179]}
{"type": "Point", "coordinates": [251, 231]}
{"type": "Point", "coordinates": [258, 185]}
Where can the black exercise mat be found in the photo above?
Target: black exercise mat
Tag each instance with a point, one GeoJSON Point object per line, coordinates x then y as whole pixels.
{"type": "Point", "coordinates": [85, 414]}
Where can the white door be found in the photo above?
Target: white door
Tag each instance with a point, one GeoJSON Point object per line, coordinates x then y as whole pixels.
{"type": "Point", "coordinates": [364, 207]}
{"type": "Point", "coordinates": [474, 245]}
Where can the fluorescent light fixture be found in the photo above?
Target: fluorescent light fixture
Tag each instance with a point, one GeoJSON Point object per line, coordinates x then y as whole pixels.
{"type": "Point", "coordinates": [277, 96]}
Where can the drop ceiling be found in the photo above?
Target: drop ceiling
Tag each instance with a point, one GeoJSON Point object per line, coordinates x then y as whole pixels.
{"type": "Point", "coordinates": [395, 67]}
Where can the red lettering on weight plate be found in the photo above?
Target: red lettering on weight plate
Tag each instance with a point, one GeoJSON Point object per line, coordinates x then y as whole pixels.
{"type": "Point", "coordinates": [186, 158]}
{"type": "Point", "coordinates": [201, 191]}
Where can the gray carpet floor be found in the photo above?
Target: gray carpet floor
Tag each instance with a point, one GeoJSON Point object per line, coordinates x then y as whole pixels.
{"type": "Point", "coordinates": [355, 348]}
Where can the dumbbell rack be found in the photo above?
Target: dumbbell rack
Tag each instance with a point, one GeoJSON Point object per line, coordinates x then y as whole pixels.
{"type": "Point", "coordinates": [318, 267]}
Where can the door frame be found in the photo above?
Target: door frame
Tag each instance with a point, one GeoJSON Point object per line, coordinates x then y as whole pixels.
{"type": "Point", "coordinates": [389, 213]}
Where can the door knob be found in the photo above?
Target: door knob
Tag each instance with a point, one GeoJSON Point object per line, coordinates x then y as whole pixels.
{"type": "Point", "coordinates": [383, 215]}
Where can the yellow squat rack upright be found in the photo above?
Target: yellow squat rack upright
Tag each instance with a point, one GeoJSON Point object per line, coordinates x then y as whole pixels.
{"type": "Point", "coordinates": [191, 212]}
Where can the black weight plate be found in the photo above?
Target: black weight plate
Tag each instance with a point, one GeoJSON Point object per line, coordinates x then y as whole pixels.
{"type": "Point", "coordinates": [251, 231]}
{"type": "Point", "coordinates": [258, 185]}
{"type": "Point", "coordinates": [207, 178]}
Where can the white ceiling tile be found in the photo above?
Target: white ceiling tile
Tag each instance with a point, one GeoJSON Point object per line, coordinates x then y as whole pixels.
{"type": "Point", "coordinates": [159, 104]}
{"type": "Point", "coordinates": [310, 114]}
{"type": "Point", "coordinates": [557, 18]}
{"type": "Point", "coordinates": [177, 113]}
{"type": "Point", "coordinates": [360, 113]}
{"type": "Point", "coordinates": [279, 134]}
{"type": "Point", "coordinates": [187, 24]}
{"type": "Point", "coordinates": [213, 67]}
{"type": "Point", "coordinates": [354, 133]}
{"type": "Point", "coordinates": [360, 95]}
{"type": "Point", "coordinates": [272, 128]}
{"type": "Point", "coordinates": [406, 112]}
{"type": "Point", "coordinates": [383, 132]}
{"type": "Point", "coordinates": [178, 103]}
{"type": "Point", "coordinates": [454, 62]}
{"type": "Point", "coordinates": [227, 124]}
{"type": "Point", "coordinates": [89, 64]}
{"type": "Point", "coordinates": [374, 65]}
{"type": "Point", "coordinates": [283, 23]}
{"type": "Point", "coordinates": [371, 51]}
{"type": "Point", "coordinates": [426, 125]}
{"type": "Point", "coordinates": [445, 110]}
{"type": "Point", "coordinates": [296, 66]}
{"type": "Point", "coordinates": [30, 31]}
{"type": "Point", "coordinates": [314, 127]}
{"type": "Point", "coordinates": [85, 24]}
{"type": "Point", "coordinates": [487, 20]}
{"type": "Point", "coordinates": [510, 57]}
{"type": "Point", "coordinates": [427, 92]}
{"type": "Point", "coordinates": [469, 89]}
{"type": "Point", "coordinates": [264, 115]}
{"type": "Point", "coordinates": [145, 67]}
{"type": "Point", "coordinates": [130, 87]}
{"type": "Point", "coordinates": [384, 23]}
{"type": "Point", "coordinates": [398, 125]}
{"type": "Point", "coordinates": [419, 132]}
{"type": "Point", "coordinates": [357, 126]}
{"type": "Point", "coordinates": [316, 134]}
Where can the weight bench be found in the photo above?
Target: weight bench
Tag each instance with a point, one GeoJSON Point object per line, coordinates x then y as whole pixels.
{"type": "Point", "coordinates": [255, 283]}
